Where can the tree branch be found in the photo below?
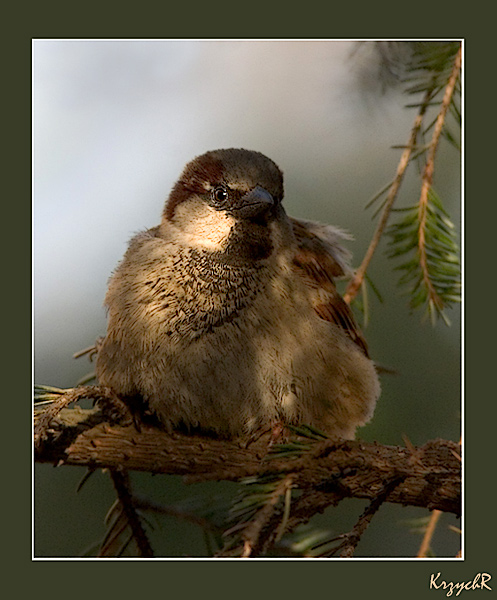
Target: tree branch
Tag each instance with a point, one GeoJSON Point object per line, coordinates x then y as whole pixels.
{"type": "Point", "coordinates": [122, 487]}
{"type": "Point", "coordinates": [350, 540]}
{"type": "Point", "coordinates": [431, 474]}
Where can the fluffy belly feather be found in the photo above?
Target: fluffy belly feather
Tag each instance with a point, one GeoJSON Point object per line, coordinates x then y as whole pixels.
{"type": "Point", "coordinates": [245, 377]}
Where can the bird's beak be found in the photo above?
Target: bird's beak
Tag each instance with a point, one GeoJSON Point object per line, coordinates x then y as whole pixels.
{"type": "Point", "coordinates": [254, 203]}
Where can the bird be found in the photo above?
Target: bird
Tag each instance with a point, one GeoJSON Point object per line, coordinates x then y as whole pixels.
{"type": "Point", "coordinates": [225, 318]}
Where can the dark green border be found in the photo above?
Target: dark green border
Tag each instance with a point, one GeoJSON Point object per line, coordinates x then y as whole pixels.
{"type": "Point", "coordinates": [358, 579]}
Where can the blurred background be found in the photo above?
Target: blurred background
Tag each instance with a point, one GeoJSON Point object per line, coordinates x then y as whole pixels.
{"type": "Point", "coordinates": [114, 124]}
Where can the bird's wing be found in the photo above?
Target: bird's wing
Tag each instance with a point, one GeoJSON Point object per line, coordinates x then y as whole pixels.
{"type": "Point", "coordinates": [320, 259]}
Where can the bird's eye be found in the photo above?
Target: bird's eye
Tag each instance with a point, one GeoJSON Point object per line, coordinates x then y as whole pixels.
{"type": "Point", "coordinates": [220, 193]}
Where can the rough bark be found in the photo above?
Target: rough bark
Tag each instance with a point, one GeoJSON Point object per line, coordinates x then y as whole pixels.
{"type": "Point", "coordinates": [428, 476]}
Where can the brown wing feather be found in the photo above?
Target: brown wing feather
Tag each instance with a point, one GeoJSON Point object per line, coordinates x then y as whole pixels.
{"type": "Point", "coordinates": [315, 262]}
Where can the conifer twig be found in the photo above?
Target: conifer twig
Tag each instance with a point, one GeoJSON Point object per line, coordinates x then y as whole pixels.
{"type": "Point", "coordinates": [407, 155]}
{"type": "Point", "coordinates": [98, 393]}
{"type": "Point", "coordinates": [355, 283]}
{"type": "Point", "coordinates": [262, 517]}
{"type": "Point", "coordinates": [430, 530]}
{"type": "Point", "coordinates": [427, 179]}
{"type": "Point", "coordinates": [146, 504]}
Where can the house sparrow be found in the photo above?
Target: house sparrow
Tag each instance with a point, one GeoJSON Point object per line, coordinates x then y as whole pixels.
{"type": "Point", "coordinates": [225, 317]}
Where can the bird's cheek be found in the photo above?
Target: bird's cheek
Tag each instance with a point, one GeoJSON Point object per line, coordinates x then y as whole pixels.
{"type": "Point", "coordinates": [204, 227]}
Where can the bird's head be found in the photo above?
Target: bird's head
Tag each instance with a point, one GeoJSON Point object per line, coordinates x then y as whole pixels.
{"type": "Point", "coordinates": [225, 200]}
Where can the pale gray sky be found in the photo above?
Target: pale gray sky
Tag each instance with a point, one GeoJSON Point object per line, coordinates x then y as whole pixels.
{"type": "Point", "coordinates": [115, 122]}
